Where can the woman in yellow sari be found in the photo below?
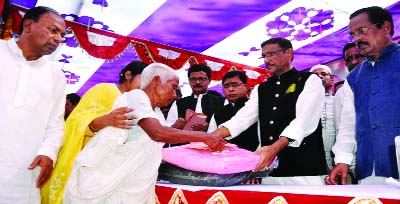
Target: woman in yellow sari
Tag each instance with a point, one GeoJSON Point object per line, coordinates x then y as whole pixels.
{"type": "Point", "coordinates": [90, 115]}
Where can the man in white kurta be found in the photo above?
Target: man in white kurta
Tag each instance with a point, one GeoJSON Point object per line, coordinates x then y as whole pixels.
{"type": "Point", "coordinates": [118, 165]}
{"type": "Point", "coordinates": [32, 101]}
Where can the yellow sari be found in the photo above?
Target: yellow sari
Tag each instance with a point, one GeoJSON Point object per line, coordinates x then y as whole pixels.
{"type": "Point", "coordinates": [96, 102]}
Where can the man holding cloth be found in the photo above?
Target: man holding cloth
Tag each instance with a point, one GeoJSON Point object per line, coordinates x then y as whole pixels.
{"type": "Point", "coordinates": [288, 107]}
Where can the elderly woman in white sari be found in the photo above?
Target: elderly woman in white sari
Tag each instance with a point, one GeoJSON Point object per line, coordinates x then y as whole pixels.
{"type": "Point", "coordinates": [120, 165]}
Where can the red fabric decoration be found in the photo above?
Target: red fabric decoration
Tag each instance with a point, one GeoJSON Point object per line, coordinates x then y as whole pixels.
{"type": "Point", "coordinates": [154, 52]}
{"type": "Point", "coordinates": [103, 52]}
{"type": "Point", "coordinates": [150, 52]}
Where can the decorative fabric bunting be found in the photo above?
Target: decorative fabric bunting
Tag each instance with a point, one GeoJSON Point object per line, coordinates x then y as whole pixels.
{"type": "Point", "coordinates": [107, 45]}
{"type": "Point", "coordinates": [98, 43]}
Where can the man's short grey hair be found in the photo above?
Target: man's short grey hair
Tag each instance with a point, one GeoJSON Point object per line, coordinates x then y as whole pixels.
{"type": "Point", "coordinates": [157, 69]}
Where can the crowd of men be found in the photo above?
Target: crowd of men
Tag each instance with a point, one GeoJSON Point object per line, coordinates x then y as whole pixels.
{"type": "Point", "coordinates": [320, 136]}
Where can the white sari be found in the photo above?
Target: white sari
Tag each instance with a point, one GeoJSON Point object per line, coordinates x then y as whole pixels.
{"type": "Point", "coordinates": [117, 165]}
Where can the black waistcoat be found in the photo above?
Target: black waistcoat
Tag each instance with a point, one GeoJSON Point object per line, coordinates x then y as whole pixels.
{"type": "Point", "coordinates": [209, 104]}
{"type": "Point", "coordinates": [277, 108]}
{"type": "Point", "coordinates": [248, 139]}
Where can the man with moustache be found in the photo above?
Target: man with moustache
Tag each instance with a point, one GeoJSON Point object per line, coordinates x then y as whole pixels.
{"type": "Point", "coordinates": [288, 107]}
{"type": "Point", "coordinates": [235, 88]}
{"type": "Point", "coordinates": [200, 101]}
{"type": "Point", "coordinates": [32, 105]}
{"type": "Point", "coordinates": [370, 116]}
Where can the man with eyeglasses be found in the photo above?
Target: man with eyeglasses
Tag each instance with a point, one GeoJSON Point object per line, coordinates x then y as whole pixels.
{"type": "Point", "coordinates": [32, 105]}
{"type": "Point", "coordinates": [288, 107]}
{"type": "Point", "coordinates": [235, 88]}
{"type": "Point", "coordinates": [327, 116]}
{"type": "Point", "coordinates": [370, 118]}
{"type": "Point", "coordinates": [200, 101]}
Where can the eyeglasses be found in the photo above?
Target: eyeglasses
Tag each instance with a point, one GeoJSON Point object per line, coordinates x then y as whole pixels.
{"type": "Point", "coordinates": [233, 85]}
{"type": "Point", "coordinates": [200, 79]}
{"type": "Point", "coordinates": [361, 31]}
{"type": "Point", "coordinates": [350, 58]}
{"type": "Point", "coordinates": [272, 53]}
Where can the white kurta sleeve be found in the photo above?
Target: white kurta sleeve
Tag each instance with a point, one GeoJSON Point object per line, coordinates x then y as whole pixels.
{"type": "Point", "coordinates": [345, 144]}
{"type": "Point", "coordinates": [309, 107]}
{"type": "Point", "coordinates": [337, 106]}
{"type": "Point", "coordinates": [172, 114]}
{"type": "Point", "coordinates": [245, 117]}
{"type": "Point", "coordinates": [54, 133]}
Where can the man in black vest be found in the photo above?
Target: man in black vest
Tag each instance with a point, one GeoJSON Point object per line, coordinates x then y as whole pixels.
{"type": "Point", "coordinates": [235, 90]}
{"type": "Point", "coordinates": [200, 101]}
{"type": "Point", "coordinates": [288, 107]}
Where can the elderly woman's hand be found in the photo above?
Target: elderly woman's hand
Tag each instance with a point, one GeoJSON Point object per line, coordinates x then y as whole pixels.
{"type": "Point", "coordinates": [215, 143]}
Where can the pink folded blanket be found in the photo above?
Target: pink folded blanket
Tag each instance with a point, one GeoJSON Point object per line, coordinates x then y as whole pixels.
{"type": "Point", "coordinates": [232, 160]}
